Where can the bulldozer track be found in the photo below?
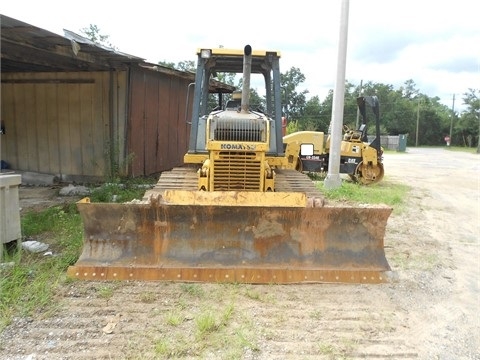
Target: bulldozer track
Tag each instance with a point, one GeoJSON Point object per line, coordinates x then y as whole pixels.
{"type": "Point", "coordinates": [185, 178]}
{"type": "Point", "coordinates": [294, 181]}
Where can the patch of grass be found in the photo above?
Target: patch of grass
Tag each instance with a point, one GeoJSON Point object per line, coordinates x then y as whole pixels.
{"type": "Point", "coordinates": [124, 191]}
{"type": "Point", "coordinates": [29, 286]}
{"type": "Point", "coordinates": [326, 349]}
{"type": "Point", "coordinates": [206, 323]}
{"type": "Point", "coordinates": [471, 150]}
{"type": "Point", "coordinates": [243, 336]}
{"type": "Point", "coordinates": [316, 314]}
{"type": "Point", "coordinates": [227, 314]}
{"type": "Point", "coordinates": [147, 297]}
{"type": "Point", "coordinates": [334, 352]}
{"type": "Point", "coordinates": [176, 348]}
{"type": "Point", "coordinates": [253, 294]}
{"type": "Point", "coordinates": [391, 194]}
{"type": "Point", "coordinates": [174, 317]}
{"type": "Point", "coordinates": [162, 347]}
{"type": "Point", "coordinates": [105, 292]}
{"type": "Point", "coordinates": [216, 327]}
{"type": "Point", "coordinates": [192, 289]}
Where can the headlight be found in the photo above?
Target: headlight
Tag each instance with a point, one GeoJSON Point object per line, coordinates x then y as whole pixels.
{"type": "Point", "coordinates": [205, 53]}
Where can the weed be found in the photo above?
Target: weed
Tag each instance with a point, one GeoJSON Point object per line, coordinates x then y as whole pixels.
{"type": "Point", "coordinates": [243, 337]}
{"type": "Point", "coordinates": [192, 289]}
{"type": "Point", "coordinates": [253, 294]}
{"type": "Point", "coordinates": [316, 314]}
{"type": "Point", "coordinates": [162, 347]}
{"type": "Point", "coordinates": [174, 318]}
{"type": "Point", "coordinates": [147, 297]}
{"type": "Point", "coordinates": [227, 314]}
{"type": "Point", "coordinates": [116, 192]}
{"type": "Point", "coordinates": [206, 323]}
{"type": "Point", "coordinates": [173, 348]}
{"type": "Point", "coordinates": [105, 292]}
{"type": "Point", "coordinates": [331, 352]}
{"type": "Point", "coordinates": [326, 349]}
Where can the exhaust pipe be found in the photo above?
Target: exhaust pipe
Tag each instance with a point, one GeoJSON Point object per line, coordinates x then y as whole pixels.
{"type": "Point", "coordinates": [247, 70]}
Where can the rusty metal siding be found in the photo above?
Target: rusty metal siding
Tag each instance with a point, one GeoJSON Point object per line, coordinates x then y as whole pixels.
{"type": "Point", "coordinates": [116, 144]}
{"type": "Point", "coordinates": [59, 123]}
{"type": "Point", "coordinates": [152, 123]}
{"type": "Point", "coordinates": [157, 132]}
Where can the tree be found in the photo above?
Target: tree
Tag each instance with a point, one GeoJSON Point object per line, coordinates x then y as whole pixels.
{"type": "Point", "coordinates": [187, 65]}
{"type": "Point", "coordinates": [311, 118]}
{"type": "Point", "coordinates": [92, 32]}
{"type": "Point", "coordinates": [170, 65]}
{"type": "Point", "coordinates": [294, 101]}
{"type": "Point", "coordinates": [469, 123]}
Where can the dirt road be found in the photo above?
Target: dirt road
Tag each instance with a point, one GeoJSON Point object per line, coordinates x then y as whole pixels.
{"type": "Point", "coordinates": [430, 309]}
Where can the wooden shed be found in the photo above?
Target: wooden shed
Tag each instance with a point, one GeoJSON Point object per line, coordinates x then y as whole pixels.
{"type": "Point", "coordinates": [83, 112]}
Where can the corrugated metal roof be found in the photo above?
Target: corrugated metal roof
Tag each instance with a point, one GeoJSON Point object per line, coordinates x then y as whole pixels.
{"type": "Point", "coordinates": [25, 47]}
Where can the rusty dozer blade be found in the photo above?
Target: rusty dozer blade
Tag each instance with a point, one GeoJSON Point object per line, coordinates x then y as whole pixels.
{"type": "Point", "coordinates": [244, 244]}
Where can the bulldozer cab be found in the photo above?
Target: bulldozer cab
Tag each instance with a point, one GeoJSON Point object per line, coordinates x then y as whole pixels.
{"type": "Point", "coordinates": [264, 64]}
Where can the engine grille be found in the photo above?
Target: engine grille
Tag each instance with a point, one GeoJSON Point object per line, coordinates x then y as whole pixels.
{"type": "Point", "coordinates": [239, 130]}
{"type": "Point", "coordinates": [237, 171]}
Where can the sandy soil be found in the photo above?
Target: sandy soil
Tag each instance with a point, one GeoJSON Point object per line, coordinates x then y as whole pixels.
{"type": "Point", "coordinates": [429, 310]}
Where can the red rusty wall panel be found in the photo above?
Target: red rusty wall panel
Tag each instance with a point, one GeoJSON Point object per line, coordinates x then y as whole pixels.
{"type": "Point", "coordinates": [151, 122]}
{"type": "Point", "coordinates": [163, 157]}
{"type": "Point", "coordinates": [181, 131]}
{"type": "Point", "coordinates": [173, 130]}
{"type": "Point", "coordinates": [136, 131]}
{"type": "Point", "coordinates": [157, 130]}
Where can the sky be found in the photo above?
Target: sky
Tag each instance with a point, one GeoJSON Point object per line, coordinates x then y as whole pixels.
{"type": "Point", "coordinates": [434, 43]}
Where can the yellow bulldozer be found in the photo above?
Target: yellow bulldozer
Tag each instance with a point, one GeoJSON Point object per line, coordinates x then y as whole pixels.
{"type": "Point", "coordinates": [360, 160]}
{"type": "Point", "coordinates": [238, 210]}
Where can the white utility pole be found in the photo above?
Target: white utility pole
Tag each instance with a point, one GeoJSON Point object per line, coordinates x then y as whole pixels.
{"type": "Point", "coordinates": [333, 180]}
{"type": "Point", "coordinates": [451, 117]}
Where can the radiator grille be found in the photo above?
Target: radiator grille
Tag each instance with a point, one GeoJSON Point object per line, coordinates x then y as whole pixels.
{"type": "Point", "coordinates": [239, 130]}
{"type": "Point", "coordinates": [237, 171]}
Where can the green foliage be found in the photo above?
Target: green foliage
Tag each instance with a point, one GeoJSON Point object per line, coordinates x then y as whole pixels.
{"type": "Point", "coordinates": [295, 101]}
{"type": "Point", "coordinates": [466, 128]}
{"type": "Point", "coordinates": [174, 317]}
{"type": "Point", "coordinates": [206, 322]}
{"type": "Point", "coordinates": [31, 283]}
{"type": "Point", "coordinates": [167, 64]}
{"type": "Point", "coordinates": [292, 126]}
{"type": "Point", "coordinates": [92, 32]}
{"type": "Point", "coordinates": [192, 289]}
{"type": "Point", "coordinates": [188, 65]}
{"type": "Point", "coordinates": [122, 191]}
{"type": "Point", "coordinates": [384, 192]}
